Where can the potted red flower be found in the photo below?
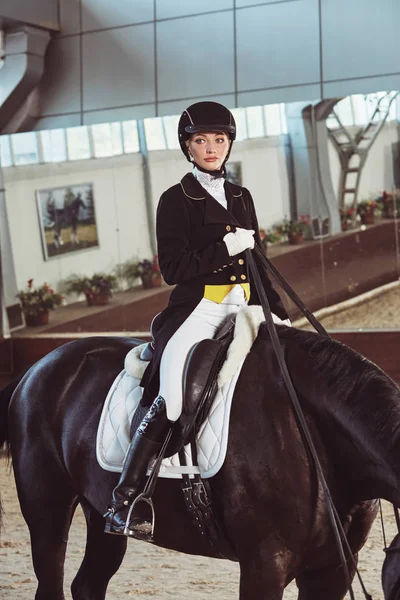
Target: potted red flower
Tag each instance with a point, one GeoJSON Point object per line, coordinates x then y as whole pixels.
{"type": "Point", "coordinates": [390, 204]}
{"type": "Point", "coordinates": [347, 217]}
{"type": "Point", "coordinates": [37, 301]}
{"type": "Point", "coordinates": [295, 229]}
{"type": "Point", "coordinates": [149, 272]}
{"type": "Point", "coordinates": [367, 209]}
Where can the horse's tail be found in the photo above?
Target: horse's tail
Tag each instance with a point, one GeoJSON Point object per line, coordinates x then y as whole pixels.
{"type": "Point", "coordinates": [5, 397]}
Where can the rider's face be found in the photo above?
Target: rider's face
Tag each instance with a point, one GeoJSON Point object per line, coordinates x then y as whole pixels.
{"type": "Point", "coordinates": [209, 149]}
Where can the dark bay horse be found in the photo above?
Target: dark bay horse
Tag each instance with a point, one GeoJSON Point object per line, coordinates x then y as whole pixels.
{"type": "Point", "coordinates": [266, 495]}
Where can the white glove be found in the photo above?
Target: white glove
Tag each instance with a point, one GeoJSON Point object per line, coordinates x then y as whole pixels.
{"type": "Point", "coordinates": [239, 241]}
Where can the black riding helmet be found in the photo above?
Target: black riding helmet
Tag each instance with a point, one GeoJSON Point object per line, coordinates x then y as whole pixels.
{"type": "Point", "coordinates": [205, 116]}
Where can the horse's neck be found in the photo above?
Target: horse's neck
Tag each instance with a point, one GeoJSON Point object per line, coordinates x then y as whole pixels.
{"type": "Point", "coordinates": [356, 408]}
{"type": "Point", "coordinates": [362, 430]}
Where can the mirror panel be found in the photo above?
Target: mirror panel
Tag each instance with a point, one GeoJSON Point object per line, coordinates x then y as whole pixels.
{"type": "Point", "coordinates": [364, 259]}
{"type": "Point", "coordinates": [78, 204]}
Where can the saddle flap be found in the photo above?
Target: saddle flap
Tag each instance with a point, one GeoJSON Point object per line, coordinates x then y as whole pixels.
{"type": "Point", "coordinates": [198, 375]}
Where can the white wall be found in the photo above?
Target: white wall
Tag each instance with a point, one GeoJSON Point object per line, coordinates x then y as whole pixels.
{"type": "Point", "coordinates": [263, 172]}
{"type": "Point", "coordinates": [119, 207]}
{"type": "Point", "coordinates": [167, 167]}
{"type": "Point", "coordinates": [120, 202]}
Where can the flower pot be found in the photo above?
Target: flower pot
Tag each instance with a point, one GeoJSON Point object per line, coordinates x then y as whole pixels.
{"type": "Point", "coordinates": [157, 279]}
{"type": "Point", "coordinates": [95, 299]}
{"type": "Point", "coordinates": [367, 218]}
{"type": "Point", "coordinates": [295, 238]}
{"type": "Point", "coordinates": [39, 318]}
{"type": "Point", "coordinates": [388, 211]}
{"type": "Point", "coordinates": [147, 280]}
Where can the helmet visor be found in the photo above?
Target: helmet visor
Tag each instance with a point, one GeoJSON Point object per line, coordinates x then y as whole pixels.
{"type": "Point", "coordinates": [205, 128]}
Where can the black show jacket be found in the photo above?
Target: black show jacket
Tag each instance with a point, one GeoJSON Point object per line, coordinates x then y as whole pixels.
{"type": "Point", "coordinates": [190, 227]}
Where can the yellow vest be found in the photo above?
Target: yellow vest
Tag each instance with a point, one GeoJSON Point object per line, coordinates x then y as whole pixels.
{"type": "Point", "coordinates": [217, 293]}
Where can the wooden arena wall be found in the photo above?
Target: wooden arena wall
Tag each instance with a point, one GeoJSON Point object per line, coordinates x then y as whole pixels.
{"type": "Point", "coordinates": [353, 263]}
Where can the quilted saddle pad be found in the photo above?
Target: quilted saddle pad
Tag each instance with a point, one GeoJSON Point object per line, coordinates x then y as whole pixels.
{"type": "Point", "coordinates": [119, 408]}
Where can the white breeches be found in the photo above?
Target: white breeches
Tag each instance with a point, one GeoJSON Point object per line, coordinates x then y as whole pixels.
{"type": "Point", "coordinates": [201, 324]}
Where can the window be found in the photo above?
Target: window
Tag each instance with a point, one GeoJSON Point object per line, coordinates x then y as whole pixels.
{"type": "Point", "coordinates": [359, 109]}
{"type": "Point", "coordinates": [107, 139]}
{"type": "Point", "coordinates": [272, 114]}
{"type": "Point", "coordinates": [5, 151]}
{"type": "Point", "coordinates": [283, 118]}
{"type": "Point", "coordinates": [155, 135]}
{"type": "Point", "coordinates": [239, 115]}
{"type": "Point", "coordinates": [54, 145]}
{"type": "Point", "coordinates": [25, 148]}
{"type": "Point", "coordinates": [344, 111]}
{"type": "Point", "coordinates": [130, 136]}
{"type": "Point", "coordinates": [171, 131]}
{"type": "Point", "coordinates": [371, 101]}
{"type": "Point", "coordinates": [393, 110]}
{"type": "Point", "coordinates": [78, 143]}
{"type": "Point", "coordinates": [255, 121]}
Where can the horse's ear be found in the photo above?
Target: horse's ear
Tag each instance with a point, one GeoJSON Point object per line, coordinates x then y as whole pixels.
{"type": "Point", "coordinates": [391, 571]}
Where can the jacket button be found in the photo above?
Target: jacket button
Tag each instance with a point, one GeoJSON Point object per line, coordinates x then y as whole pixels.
{"type": "Point", "coordinates": [228, 227]}
{"type": "Point", "coordinates": [241, 261]}
{"type": "Point", "coordinates": [232, 277]}
{"type": "Point", "coordinates": [243, 277]}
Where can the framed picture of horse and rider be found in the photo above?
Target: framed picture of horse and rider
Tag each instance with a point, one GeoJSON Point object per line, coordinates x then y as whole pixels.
{"type": "Point", "coordinates": [67, 219]}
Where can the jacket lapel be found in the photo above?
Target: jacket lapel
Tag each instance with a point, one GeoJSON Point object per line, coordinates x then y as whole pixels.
{"type": "Point", "coordinates": [214, 212]}
{"type": "Point", "coordinates": [235, 202]}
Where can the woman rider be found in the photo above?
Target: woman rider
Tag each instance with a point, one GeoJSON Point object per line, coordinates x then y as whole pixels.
{"type": "Point", "coordinates": [204, 225]}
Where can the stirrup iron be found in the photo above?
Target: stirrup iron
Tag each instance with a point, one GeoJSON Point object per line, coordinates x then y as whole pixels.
{"type": "Point", "coordinates": [142, 530]}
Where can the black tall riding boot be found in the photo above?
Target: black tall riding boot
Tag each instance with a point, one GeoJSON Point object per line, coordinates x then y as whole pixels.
{"type": "Point", "coordinates": [144, 448]}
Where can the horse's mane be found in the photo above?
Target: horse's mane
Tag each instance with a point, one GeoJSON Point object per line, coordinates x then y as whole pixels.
{"type": "Point", "coordinates": [346, 379]}
{"type": "Point", "coordinates": [344, 368]}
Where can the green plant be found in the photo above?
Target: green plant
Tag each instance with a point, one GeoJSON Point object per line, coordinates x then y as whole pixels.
{"type": "Point", "coordinates": [389, 203]}
{"type": "Point", "coordinates": [347, 214]}
{"type": "Point", "coordinates": [367, 207]}
{"type": "Point", "coordinates": [293, 226]}
{"type": "Point", "coordinates": [273, 236]}
{"type": "Point", "coordinates": [37, 299]}
{"type": "Point", "coordinates": [128, 272]}
{"type": "Point", "coordinates": [97, 284]}
{"type": "Point", "coordinates": [145, 267]}
{"type": "Point", "coordinates": [269, 236]}
{"type": "Point", "coordinates": [131, 270]}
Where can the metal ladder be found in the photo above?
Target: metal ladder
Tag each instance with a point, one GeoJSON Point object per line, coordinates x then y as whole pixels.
{"type": "Point", "coordinates": [353, 151]}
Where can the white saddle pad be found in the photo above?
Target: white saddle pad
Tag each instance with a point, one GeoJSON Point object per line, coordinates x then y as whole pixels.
{"type": "Point", "coordinates": [114, 429]}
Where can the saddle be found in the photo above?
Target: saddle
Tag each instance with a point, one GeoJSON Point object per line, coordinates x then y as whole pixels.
{"type": "Point", "coordinates": [203, 364]}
